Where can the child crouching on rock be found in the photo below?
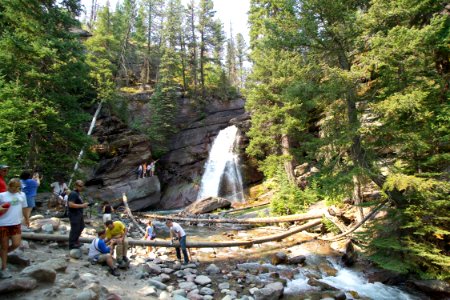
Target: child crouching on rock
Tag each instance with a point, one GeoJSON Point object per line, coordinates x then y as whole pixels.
{"type": "Point", "coordinates": [150, 234]}
{"type": "Point", "coordinates": [100, 253]}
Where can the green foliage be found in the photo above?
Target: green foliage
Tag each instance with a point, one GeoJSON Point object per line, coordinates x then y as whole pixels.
{"type": "Point", "coordinates": [43, 86]}
{"type": "Point", "coordinates": [360, 88]}
{"type": "Point", "coordinates": [288, 198]}
{"type": "Point", "coordinates": [414, 238]}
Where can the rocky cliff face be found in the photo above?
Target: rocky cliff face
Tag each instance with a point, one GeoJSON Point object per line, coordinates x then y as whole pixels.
{"type": "Point", "coordinates": [121, 150]}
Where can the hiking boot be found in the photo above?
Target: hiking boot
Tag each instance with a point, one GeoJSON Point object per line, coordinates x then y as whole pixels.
{"type": "Point", "coordinates": [122, 264]}
{"type": "Point", "coordinates": [114, 272]}
{"type": "Point", "coordinates": [4, 274]}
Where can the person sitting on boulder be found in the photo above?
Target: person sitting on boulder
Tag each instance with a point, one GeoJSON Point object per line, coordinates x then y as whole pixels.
{"type": "Point", "coordinates": [100, 253]}
{"type": "Point", "coordinates": [116, 232]}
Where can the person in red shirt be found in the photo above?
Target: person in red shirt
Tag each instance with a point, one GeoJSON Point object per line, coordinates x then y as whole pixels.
{"type": "Point", "coordinates": [3, 172]}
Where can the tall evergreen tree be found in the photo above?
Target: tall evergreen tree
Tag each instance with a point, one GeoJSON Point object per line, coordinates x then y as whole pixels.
{"type": "Point", "coordinates": [43, 81]}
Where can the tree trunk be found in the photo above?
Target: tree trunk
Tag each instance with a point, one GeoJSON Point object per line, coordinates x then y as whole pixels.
{"type": "Point", "coordinates": [357, 197]}
{"type": "Point", "coordinates": [272, 220]}
{"type": "Point", "coordinates": [288, 162]}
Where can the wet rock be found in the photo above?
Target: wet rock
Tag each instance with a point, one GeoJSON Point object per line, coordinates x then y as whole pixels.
{"type": "Point", "coordinates": [432, 286]}
{"type": "Point", "coordinates": [207, 205]}
{"type": "Point", "coordinates": [279, 258]}
{"type": "Point", "coordinates": [212, 269]}
{"type": "Point", "coordinates": [18, 258]}
{"type": "Point", "coordinates": [17, 285]}
{"type": "Point", "coordinates": [39, 272]}
{"type": "Point", "coordinates": [299, 259]}
{"type": "Point", "coordinates": [350, 256]}
{"type": "Point", "coordinates": [271, 291]}
{"type": "Point", "coordinates": [327, 269]}
{"type": "Point", "coordinates": [322, 285]}
{"type": "Point", "coordinates": [202, 280]}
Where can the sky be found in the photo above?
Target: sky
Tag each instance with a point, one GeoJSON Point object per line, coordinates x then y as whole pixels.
{"type": "Point", "coordinates": [234, 11]}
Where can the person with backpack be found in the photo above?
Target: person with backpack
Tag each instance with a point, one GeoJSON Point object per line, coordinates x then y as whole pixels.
{"type": "Point", "coordinates": [150, 234]}
{"type": "Point", "coordinates": [100, 253]}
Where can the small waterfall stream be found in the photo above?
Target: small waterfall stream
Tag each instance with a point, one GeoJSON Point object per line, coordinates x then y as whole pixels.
{"type": "Point", "coordinates": [222, 177]}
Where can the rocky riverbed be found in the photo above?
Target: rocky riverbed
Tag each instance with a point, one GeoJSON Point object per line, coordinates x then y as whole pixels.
{"type": "Point", "coordinates": [298, 267]}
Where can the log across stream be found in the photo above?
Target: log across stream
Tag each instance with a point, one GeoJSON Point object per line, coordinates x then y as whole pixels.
{"type": "Point", "coordinates": [133, 242]}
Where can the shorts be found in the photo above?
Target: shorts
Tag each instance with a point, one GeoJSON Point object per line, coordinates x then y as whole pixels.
{"type": "Point", "coordinates": [99, 259]}
{"type": "Point", "coordinates": [106, 217]}
{"type": "Point", "coordinates": [31, 201]}
{"type": "Point", "coordinates": [7, 231]}
{"type": "Point", "coordinates": [150, 238]}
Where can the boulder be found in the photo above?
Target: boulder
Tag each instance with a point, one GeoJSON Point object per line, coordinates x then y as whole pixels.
{"type": "Point", "coordinates": [141, 193]}
{"type": "Point", "coordinates": [207, 205]}
{"type": "Point", "coordinates": [279, 258]}
{"type": "Point", "coordinates": [18, 258]}
{"type": "Point", "coordinates": [206, 291]}
{"type": "Point", "coordinates": [299, 259]}
{"type": "Point", "coordinates": [432, 286]}
{"type": "Point", "coordinates": [212, 269]}
{"type": "Point", "coordinates": [157, 284]}
{"type": "Point", "coordinates": [17, 285]}
{"type": "Point", "coordinates": [271, 291]}
{"type": "Point", "coordinates": [51, 224]}
{"type": "Point", "coordinates": [202, 280]}
{"type": "Point", "coordinates": [75, 253]}
{"type": "Point", "coordinates": [40, 272]}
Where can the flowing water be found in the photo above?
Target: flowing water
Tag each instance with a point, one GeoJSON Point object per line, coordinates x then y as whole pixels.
{"type": "Point", "coordinates": [222, 176]}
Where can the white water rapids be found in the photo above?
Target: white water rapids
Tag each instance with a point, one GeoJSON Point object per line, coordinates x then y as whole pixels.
{"type": "Point", "coordinates": [222, 177]}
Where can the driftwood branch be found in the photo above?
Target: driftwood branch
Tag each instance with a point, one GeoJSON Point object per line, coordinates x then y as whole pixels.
{"type": "Point", "coordinates": [275, 237]}
{"type": "Point", "coordinates": [366, 218]}
{"type": "Point", "coordinates": [125, 202]}
{"type": "Point", "coordinates": [291, 218]}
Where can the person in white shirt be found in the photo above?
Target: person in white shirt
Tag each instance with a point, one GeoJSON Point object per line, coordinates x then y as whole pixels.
{"type": "Point", "coordinates": [59, 187]}
{"type": "Point", "coordinates": [10, 222]}
{"type": "Point", "coordinates": [178, 233]}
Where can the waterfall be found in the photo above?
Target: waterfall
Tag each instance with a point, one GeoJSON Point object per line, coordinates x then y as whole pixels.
{"type": "Point", "coordinates": [222, 177]}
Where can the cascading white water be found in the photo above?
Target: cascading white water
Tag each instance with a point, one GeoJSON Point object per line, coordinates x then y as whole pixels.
{"type": "Point", "coordinates": [222, 176]}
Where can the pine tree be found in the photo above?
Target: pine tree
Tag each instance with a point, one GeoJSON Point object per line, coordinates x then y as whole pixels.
{"type": "Point", "coordinates": [43, 84]}
{"type": "Point", "coordinates": [241, 56]}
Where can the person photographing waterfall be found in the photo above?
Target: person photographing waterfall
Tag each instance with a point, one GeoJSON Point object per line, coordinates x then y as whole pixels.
{"type": "Point", "coordinates": [177, 233]}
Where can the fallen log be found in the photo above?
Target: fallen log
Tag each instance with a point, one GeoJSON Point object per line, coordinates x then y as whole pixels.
{"type": "Point", "coordinates": [243, 208]}
{"type": "Point", "coordinates": [291, 218]}
{"type": "Point", "coordinates": [125, 202]}
{"type": "Point", "coordinates": [132, 242]}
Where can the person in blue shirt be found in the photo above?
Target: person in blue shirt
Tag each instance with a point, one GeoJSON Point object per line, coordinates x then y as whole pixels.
{"type": "Point", "coordinates": [29, 187]}
{"type": "Point", "coordinates": [99, 252]}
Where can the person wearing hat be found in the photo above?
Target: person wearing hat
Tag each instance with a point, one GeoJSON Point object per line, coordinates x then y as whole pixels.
{"type": "Point", "coordinates": [3, 172]}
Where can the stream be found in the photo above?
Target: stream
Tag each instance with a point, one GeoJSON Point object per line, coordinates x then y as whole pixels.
{"type": "Point", "coordinates": [319, 259]}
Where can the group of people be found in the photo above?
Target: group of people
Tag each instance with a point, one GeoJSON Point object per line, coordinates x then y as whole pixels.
{"type": "Point", "coordinates": [146, 169]}
{"type": "Point", "coordinates": [17, 199]}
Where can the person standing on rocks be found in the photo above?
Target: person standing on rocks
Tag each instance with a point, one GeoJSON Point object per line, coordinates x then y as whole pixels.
{"type": "Point", "coordinates": [107, 211]}
{"type": "Point", "coordinates": [116, 232]}
{"type": "Point", "coordinates": [178, 233]}
{"type": "Point", "coordinates": [150, 234]}
{"type": "Point", "coordinates": [76, 205]}
{"type": "Point", "coordinates": [100, 253]}
{"type": "Point", "coordinates": [29, 187]}
{"type": "Point", "coordinates": [3, 172]}
{"type": "Point", "coordinates": [10, 222]}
